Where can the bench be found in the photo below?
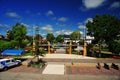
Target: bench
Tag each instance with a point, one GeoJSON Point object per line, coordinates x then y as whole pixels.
{"type": "Point", "coordinates": [98, 66]}
{"type": "Point", "coordinates": [106, 66]}
{"type": "Point", "coordinates": [114, 66]}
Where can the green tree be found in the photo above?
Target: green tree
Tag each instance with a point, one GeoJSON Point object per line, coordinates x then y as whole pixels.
{"type": "Point", "coordinates": [18, 33]}
{"type": "Point", "coordinates": [50, 37]}
{"type": "Point", "coordinates": [7, 44]}
{"type": "Point", "coordinates": [115, 47]}
{"type": "Point", "coordinates": [29, 38]}
{"type": "Point", "coordinates": [10, 36]}
{"type": "Point", "coordinates": [75, 35]}
{"type": "Point", "coordinates": [104, 28]}
{"type": "Point", "coordinates": [38, 37]}
{"type": "Point", "coordinates": [60, 38]}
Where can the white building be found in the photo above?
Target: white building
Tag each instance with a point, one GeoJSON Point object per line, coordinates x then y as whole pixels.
{"type": "Point", "coordinates": [89, 39]}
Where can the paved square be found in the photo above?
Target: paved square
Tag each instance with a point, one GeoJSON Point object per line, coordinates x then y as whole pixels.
{"type": "Point", "coordinates": [54, 69]}
{"type": "Point", "coordinates": [90, 70]}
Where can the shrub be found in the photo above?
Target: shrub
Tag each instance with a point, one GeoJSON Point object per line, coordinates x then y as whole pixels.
{"type": "Point", "coordinates": [114, 47]}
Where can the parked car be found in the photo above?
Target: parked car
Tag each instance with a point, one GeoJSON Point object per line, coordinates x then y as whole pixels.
{"type": "Point", "coordinates": [6, 63]}
{"type": "Point", "coordinates": [116, 56]}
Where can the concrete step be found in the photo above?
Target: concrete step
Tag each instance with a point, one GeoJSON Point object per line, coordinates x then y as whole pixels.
{"type": "Point", "coordinates": [61, 50]}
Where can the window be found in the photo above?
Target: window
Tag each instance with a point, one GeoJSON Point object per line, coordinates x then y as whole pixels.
{"type": "Point", "coordinates": [7, 61]}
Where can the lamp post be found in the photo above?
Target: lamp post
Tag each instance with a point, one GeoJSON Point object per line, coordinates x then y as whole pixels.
{"type": "Point", "coordinates": [34, 45]}
{"type": "Point", "coordinates": [35, 42]}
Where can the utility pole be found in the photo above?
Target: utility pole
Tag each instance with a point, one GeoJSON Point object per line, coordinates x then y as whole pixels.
{"type": "Point", "coordinates": [35, 41]}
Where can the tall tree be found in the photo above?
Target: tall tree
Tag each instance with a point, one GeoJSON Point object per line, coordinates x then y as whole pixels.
{"type": "Point", "coordinates": [18, 33]}
{"type": "Point", "coordinates": [75, 35]}
{"type": "Point", "coordinates": [38, 37]}
{"type": "Point", "coordinates": [104, 28]}
{"type": "Point", "coordinates": [60, 38]}
{"type": "Point", "coordinates": [50, 37]}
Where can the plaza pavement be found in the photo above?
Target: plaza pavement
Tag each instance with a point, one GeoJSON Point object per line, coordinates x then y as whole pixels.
{"type": "Point", "coordinates": [62, 56]}
{"type": "Point", "coordinates": [59, 68]}
{"type": "Point", "coordinates": [54, 69]}
{"type": "Point", "coordinates": [65, 56]}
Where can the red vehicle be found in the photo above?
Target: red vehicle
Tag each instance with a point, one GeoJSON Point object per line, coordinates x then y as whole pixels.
{"type": "Point", "coordinates": [116, 56]}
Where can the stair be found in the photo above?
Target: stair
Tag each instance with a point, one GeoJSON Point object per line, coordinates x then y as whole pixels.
{"type": "Point", "coordinates": [60, 50]}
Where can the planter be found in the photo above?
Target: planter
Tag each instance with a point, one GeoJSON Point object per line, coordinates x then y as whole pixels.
{"type": "Point", "coordinates": [67, 51]}
{"type": "Point", "coordinates": [53, 50]}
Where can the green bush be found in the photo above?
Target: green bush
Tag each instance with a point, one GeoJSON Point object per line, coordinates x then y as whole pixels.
{"type": "Point", "coordinates": [74, 52]}
{"type": "Point", "coordinates": [114, 47]}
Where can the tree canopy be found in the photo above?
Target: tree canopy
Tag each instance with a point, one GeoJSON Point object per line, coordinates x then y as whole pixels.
{"type": "Point", "coordinates": [38, 37]}
{"type": "Point", "coordinates": [60, 38]}
{"type": "Point", "coordinates": [75, 35]}
{"type": "Point", "coordinates": [104, 28]}
{"type": "Point", "coordinates": [18, 33]}
{"type": "Point", "coordinates": [50, 37]}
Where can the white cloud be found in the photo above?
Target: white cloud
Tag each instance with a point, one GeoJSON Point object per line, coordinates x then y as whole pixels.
{"type": "Point", "coordinates": [54, 18]}
{"type": "Point", "coordinates": [90, 4]}
{"type": "Point", "coordinates": [88, 19]}
{"type": "Point", "coordinates": [59, 24]}
{"type": "Point", "coordinates": [49, 13]}
{"type": "Point", "coordinates": [81, 27]}
{"type": "Point", "coordinates": [63, 19]}
{"type": "Point", "coordinates": [66, 32]}
{"type": "Point", "coordinates": [4, 26]}
{"type": "Point", "coordinates": [79, 23]}
{"type": "Point", "coordinates": [12, 14]}
{"type": "Point", "coordinates": [81, 32]}
{"type": "Point", "coordinates": [1, 25]}
{"type": "Point", "coordinates": [47, 28]}
{"type": "Point", "coordinates": [115, 5]}
{"type": "Point", "coordinates": [58, 32]}
{"type": "Point", "coordinates": [25, 25]}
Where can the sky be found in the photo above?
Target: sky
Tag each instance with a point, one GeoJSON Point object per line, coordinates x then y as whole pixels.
{"type": "Point", "coordinates": [54, 16]}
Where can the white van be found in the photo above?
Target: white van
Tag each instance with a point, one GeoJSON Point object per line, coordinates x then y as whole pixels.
{"type": "Point", "coordinates": [6, 63]}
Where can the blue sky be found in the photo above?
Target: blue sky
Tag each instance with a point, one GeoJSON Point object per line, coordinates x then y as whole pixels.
{"type": "Point", "coordinates": [55, 16]}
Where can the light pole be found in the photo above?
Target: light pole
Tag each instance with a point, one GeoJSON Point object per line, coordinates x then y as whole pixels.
{"type": "Point", "coordinates": [83, 28]}
{"type": "Point", "coordinates": [84, 34]}
{"type": "Point", "coordinates": [84, 38]}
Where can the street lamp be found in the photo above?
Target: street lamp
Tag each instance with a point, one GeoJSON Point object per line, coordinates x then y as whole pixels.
{"type": "Point", "coordinates": [35, 45]}
{"type": "Point", "coordinates": [84, 38]}
{"type": "Point", "coordinates": [83, 28]}
{"type": "Point", "coordinates": [84, 34]}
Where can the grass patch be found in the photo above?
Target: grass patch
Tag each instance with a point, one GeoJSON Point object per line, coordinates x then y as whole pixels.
{"type": "Point", "coordinates": [74, 52]}
{"type": "Point", "coordinates": [27, 54]}
{"type": "Point", "coordinates": [105, 49]}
